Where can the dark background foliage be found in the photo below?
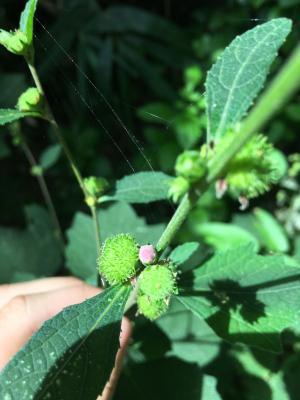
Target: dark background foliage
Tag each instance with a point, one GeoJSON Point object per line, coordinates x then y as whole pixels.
{"type": "Point", "coordinates": [101, 63]}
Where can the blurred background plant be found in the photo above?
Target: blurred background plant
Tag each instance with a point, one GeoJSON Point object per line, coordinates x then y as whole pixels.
{"type": "Point", "coordinates": [143, 64]}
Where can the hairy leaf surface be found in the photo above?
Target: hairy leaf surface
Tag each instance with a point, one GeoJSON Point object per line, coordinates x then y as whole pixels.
{"type": "Point", "coordinates": [142, 187]}
{"type": "Point", "coordinates": [27, 18]}
{"type": "Point", "coordinates": [239, 74]}
{"type": "Point", "coordinates": [72, 355]}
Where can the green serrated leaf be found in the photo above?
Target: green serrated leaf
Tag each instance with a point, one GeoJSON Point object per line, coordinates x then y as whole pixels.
{"type": "Point", "coordinates": [27, 18]}
{"type": "Point", "coordinates": [224, 236]}
{"type": "Point", "coordinates": [239, 74]}
{"type": "Point", "coordinates": [50, 156]}
{"type": "Point", "coordinates": [142, 187]}
{"type": "Point", "coordinates": [10, 115]}
{"type": "Point", "coordinates": [34, 251]}
{"type": "Point", "coordinates": [72, 355]}
{"type": "Point", "coordinates": [271, 233]}
{"type": "Point", "coordinates": [81, 252]}
{"type": "Point", "coordinates": [245, 297]}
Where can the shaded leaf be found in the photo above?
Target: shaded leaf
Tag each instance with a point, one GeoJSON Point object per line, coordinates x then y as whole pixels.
{"type": "Point", "coordinates": [142, 187]}
{"type": "Point", "coordinates": [271, 233]}
{"type": "Point", "coordinates": [245, 297]}
{"type": "Point", "coordinates": [50, 156]}
{"type": "Point", "coordinates": [239, 74]}
{"type": "Point", "coordinates": [72, 355]}
{"type": "Point", "coordinates": [224, 236]}
{"type": "Point", "coordinates": [192, 340]}
{"type": "Point", "coordinates": [34, 251]}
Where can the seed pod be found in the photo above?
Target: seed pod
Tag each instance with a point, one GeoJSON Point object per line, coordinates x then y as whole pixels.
{"type": "Point", "coordinates": [178, 188]}
{"type": "Point", "coordinates": [190, 165]}
{"type": "Point", "coordinates": [95, 186]}
{"type": "Point", "coordinates": [31, 100]}
{"type": "Point", "coordinates": [157, 282]}
{"type": "Point", "coordinates": [16, 42]}
{"type": "Point", "coordinates": [151, 309]}
{"type": "Point", "coordinates": [118, 258]}
{"type": "Point", "coordinates": [253, 170]}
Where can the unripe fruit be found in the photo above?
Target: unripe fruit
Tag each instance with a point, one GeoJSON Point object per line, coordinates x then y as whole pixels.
{"type": "Point", "coordinates": [251, 172]}
{"type": "Point", "coordinates": [118, 258]}
{"type": "Point", "coordinates": [178, 188]}
{"type": "Point", "coordinates": [16, 42]}
{"type": "Point", "coordinates": [157, 282]}
{"type": "Point", "coordinates": [151, 309]}
{"type": "Point", "coordinates": [95, 186]}
{"type": "Point", "coordinates": [190, 165]}
{"type": "Point", "coordinates": [31, 100]}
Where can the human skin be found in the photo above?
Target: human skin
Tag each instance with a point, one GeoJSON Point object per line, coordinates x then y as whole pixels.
{"type": "Point", "coordinates": [25, 306]}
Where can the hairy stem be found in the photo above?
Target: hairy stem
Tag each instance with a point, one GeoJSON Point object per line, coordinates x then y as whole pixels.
{"type": "Point", "coordinates": [175, 223]}
{"type": "Point", "coordinates": [283, 86]}
{"type": "Point", "coordinates": [45, 192]}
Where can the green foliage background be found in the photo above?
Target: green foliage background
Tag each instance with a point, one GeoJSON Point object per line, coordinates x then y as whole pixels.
{"type": "Point", "coordinates": [137, 57]}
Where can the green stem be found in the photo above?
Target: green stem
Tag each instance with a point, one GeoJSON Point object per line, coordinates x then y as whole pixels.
{"type": "Point", "coordinates": [69, 156]}
{"type": "Point", "coordinates": [283, 86]}
{"type": "Point", "coordinates": [57, 132]}
{"type": "Point", "coordinates": [45, 192]}
{"type": "Point", "coordinates": [97, 225]}
{"type": "Point", "coordinates": [175, 223]}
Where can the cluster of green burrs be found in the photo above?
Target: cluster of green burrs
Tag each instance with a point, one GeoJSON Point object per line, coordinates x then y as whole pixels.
{"type": "Point", "coordinates": [249, 174]}
{"type": "Point", "coordinates": [121, 260]}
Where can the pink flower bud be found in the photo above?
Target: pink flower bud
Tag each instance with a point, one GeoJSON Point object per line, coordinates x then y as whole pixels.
{"type": "Point", "coordinates": [244, 203]}
{"type": "Point", "coordinates": [147, 254]}
{"type": "Point", "coordinates": [221, 188]}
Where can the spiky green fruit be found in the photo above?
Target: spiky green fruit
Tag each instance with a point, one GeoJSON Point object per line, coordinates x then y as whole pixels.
{"type": "Point", "coordinates": [190, 165]}
{"type": "Point", "coordinates": [118, 258]}
{"type": "Point", "coordinates": [151, 309]}
{"type": "Point", "coordinates": [31, 100]}
{"type": "Point", "coordinates": [251, 172]}
{"type": "Point", "coordinates": [178, 188]}
{"type": "Point", "coordinates": [157, 282]}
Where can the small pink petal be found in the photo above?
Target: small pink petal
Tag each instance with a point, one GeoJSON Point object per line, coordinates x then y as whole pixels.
{"type": "Point", "coordinates": [244, 203]}
{"type": "Point", "coordinates": [147, 254]}
{"type": "Point", "coordinates": [221, 188]}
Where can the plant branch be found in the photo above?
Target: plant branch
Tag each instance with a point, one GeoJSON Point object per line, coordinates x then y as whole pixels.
{"type": "Point", "coordinates": [45, 192]}
{"type": "Point", "coordinates": [57, 132]}
{"type": "Point", "coordinates": [283, 86]}
{"type": "Point", "coordinates": [69, 155]}
{"type": "Point", "coordinates": [175, 223]}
